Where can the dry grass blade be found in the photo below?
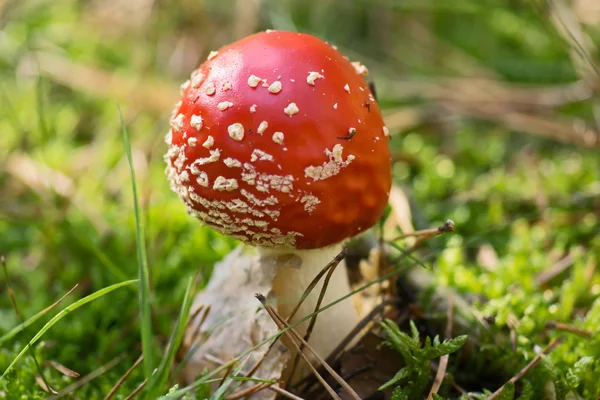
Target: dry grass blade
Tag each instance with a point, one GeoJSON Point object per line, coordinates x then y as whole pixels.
{"type": "Point", "coordinates": [359, 327]}
{"type": "Point", "coordinates": [40, 381]}
{"type": "Point", "coordinates": [249, 391]}
{"type": "Point", "coordinates": [152, 95]}
{"type": "Point", "coordinates": [284, 393]}
{"type": "Point", "coordinates": [559, 326]}
{"type": "Point", "coordinates": [441, 372]}
{"type": "Point", "coordinates": [64, 370]}
{"type": "Point", "coordinates": [31, 320]}
{"type": "Point", "coordinates": [191, 342]}
{"type": "Point", "coordinates": [532, 364]}
{"type": "Point", "coordinates": [313, 320]}
{"type": "Point", "coordinates": [89, 377]}
{"type": "Point", "coordinates": [554, 128]}
{"type": "Point", "coordinates": [567, 25]}
{"type": "Point", "coordinates": [329, 267]}
{"type": "Point", "coordinates": [429, 233]}
{"type": "Point", "coordinates": [332, 264]}
{"type": "Point", "coordinates": [226, 374]}
{"type": "Point", "coordinates": [559, 267]}
{"type": "Point", "coordinates": [40, 378]}
{"type": "Point", "coordinates": [282, 325]}
{"type": "Point", "coordinates": [123, 378]}
{"type": "Point", "coordinates": [137, 390]}
{"type": "Point", "coordinates": [490, 91]}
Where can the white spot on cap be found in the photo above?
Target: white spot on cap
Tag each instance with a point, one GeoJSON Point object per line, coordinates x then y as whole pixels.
{"type": "Point", "coordinates": [224, 184]}
{"type": "Point", "coordinates": [197, 79]}
{"type": "Point", "coordinates": [212, 55]}
{"type": "Point", "coordinates": [360, 69]}
{"type": "Point", "coordinates": [232, 162]}
{"type": "Point", "coordinates": [253, 108]}
{"type": "Point", "coordinates": [226, 86]}
{"type": "Point", "coordinates": [210, 89]}
{"type": "Point", "coordinates": [224, 105]}
{"type": "Point", "coordinates": [196, 122]}
{"type": "Point", "coordinates": [262, 127]}
{"type": "Point", "coordinates": [312, 77]}
{"type": "Point", "coordinates": [335, 106]}
{"type": "Point", "coordinates": [192, 142]}
{"type": "Point", "coordinates": [202, 179]}
{"type": "Point", "coordinates": [253, 81]}
{"type": "Point", "coordinates": [330, 168]}
{"type": "Point", "coordinates": [278, 137]}
{"type": "Point", "coordinates": [386, 131]}
{"type": "Point", "coordinates": [177, 123]}
{"type": "Point", "coordinates": [184, 87]}
{"type": "Point", "coordinates": [310, 202]}
{"type": "Point", "coordinates": [260, 156]}
{"type": "Point", "coordinates": [291, 109]}
{"type": "Point", "coordinates": [214, 157]}
{"type": "Point", "coordinates": [275, 87]}
{"type": "Point", "coordinates": [236, 131]}
{"type": "Point", "coordinates": [169, 137]}
{"type": "Point", "coordinates": [347, 88]}
{"type": "Point", "coordinates": [208, 143]}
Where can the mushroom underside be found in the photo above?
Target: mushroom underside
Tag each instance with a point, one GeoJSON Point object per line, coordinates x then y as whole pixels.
{"type": "Point", "coordinates": [237, 322]}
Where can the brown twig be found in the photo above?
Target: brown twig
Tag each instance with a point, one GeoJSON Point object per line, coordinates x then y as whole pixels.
{"type": "Point", "coordinates": [428, 233]}
{"type": "Point", "coordinates": [123, 378]}
{"type": "Point", "coordinates": [559, 326]}
{"type": "Point", "coordinates": [331, 265]}
{"type": "Point", "coordinates": [532, 364]}
{"type": "Point", "coordinates": [289, 334]}
{"type": "Point", "coordinates": [441, 372]}
{"type": "Point", "coordinates": [313, 320]}
{"type": "Point", "coordinates": [349, 337]}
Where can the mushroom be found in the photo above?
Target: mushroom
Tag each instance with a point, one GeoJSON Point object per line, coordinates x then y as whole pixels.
{"type": "Point", "coordinates": [278, 142]}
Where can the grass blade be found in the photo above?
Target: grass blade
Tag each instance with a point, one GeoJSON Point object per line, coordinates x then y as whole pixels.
{"type": "Point", "coordinates": [159, 379]}
{"type": "Point", "coordinates": [220, 393]}
{"type": "Point", "coordinates": [14, 331]}
{"type": "Point", "coordinates": [143, 279]}
{"type": "Point", "coordinates": [64, 312]}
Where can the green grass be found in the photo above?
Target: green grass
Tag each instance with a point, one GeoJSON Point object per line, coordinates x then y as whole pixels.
{"type": "Point", "coordinates": [144, 284]}
{"type": "Point", "coordinates": [84, 200]}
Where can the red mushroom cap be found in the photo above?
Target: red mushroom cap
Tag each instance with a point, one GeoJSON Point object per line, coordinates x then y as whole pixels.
{"type": "Point", "coordinates": [278, 141]}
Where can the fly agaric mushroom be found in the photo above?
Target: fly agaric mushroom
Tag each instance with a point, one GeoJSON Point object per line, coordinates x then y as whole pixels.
{"type": "Point", "coordinates": [278, 142]}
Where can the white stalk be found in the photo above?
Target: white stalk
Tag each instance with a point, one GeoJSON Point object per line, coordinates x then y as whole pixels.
{"type": "Point", "coordinates": [295, 271]}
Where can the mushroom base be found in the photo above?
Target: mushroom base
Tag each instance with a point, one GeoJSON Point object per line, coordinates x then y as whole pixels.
{"type": "Point", "coordinates": [237, 322]}
{"type": "Point", "coordinates": [295, 271]}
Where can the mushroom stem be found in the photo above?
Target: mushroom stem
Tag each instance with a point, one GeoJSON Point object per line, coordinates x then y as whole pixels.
{"type": "Point", "coordinates": [295, 271]}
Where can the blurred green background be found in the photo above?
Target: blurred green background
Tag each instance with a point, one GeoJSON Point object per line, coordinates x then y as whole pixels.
{"type": "Point", "coordinates": [493, 110]}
